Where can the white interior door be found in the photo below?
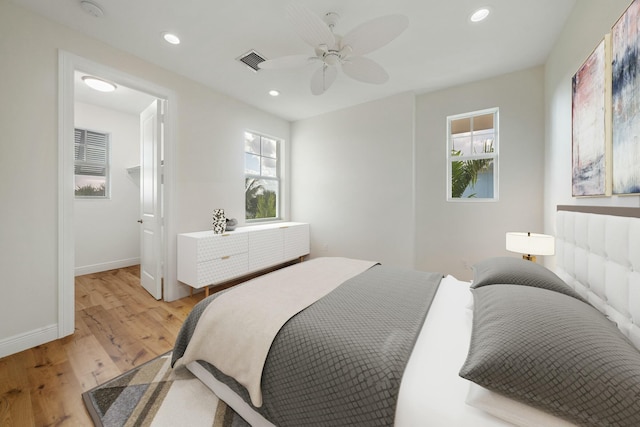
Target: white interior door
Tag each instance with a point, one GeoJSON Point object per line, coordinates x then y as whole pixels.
{"type": "Point", "coordinates": [151, 199]}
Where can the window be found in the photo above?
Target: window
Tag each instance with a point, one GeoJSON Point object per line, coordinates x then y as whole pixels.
{"type": "Point", "coordinates": [91, 164]}
{"type": "Point", "coordinates": [472, 156]}
{"type": "Point", "coordinates": [262, 176]}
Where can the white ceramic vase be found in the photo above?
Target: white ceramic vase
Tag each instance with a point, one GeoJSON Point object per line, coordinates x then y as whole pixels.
{"type": "Point", "coordinates": [219, 221]}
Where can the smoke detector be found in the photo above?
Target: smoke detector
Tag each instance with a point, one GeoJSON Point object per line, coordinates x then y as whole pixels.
{"type": "Point", "coordinates": [92, 9]}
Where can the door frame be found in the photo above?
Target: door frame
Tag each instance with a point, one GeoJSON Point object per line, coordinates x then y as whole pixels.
{"type": "Point", "coordinates": [68, 63]}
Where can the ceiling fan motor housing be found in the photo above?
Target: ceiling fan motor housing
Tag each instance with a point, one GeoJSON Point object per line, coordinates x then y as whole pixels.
{"type": "Point", "coordinates": [332, 49]}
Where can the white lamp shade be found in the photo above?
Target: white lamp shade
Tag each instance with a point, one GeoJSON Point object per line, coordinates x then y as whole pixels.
{"type": "Point", "coordinates": [530, 243]}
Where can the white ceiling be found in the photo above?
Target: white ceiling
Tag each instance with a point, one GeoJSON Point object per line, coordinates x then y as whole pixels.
{"type": "Point", "coordinates": [441, 48]}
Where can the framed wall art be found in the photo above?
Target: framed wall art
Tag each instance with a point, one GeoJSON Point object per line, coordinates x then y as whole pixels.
{"type": "Point", "coordinates": [591, 135]}
{"type": "Point", "coordinates": [625, 36]}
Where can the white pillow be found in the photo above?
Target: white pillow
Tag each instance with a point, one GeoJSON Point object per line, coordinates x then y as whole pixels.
{"type": "Point", "coordinates": [511, 410]}
{"type": "Point", "coordinates": [469, 305]}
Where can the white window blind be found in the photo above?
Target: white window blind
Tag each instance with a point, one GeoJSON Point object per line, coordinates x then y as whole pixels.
{"type": "Point", "coordinates": [91, 163]}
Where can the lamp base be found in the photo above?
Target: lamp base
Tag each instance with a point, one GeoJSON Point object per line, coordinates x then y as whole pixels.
{"type": "Point", "coordinates": [531, 258]}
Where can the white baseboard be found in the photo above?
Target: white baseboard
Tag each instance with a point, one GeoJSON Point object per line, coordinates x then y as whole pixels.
{"type": "Point", "coordinates": [18, 343]}
{"type": "Point", "coordinates": [105, 266]}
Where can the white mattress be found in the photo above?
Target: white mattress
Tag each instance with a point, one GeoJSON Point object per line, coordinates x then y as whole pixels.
{"type": "Point", "coordinates": [431, 392]}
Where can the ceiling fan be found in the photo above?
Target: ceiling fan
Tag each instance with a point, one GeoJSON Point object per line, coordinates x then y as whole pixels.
{"type": "Point", "coordinates": [332, 49]}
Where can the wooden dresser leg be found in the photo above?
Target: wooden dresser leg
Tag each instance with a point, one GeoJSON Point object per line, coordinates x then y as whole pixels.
{"type": "Point", "coordinates": [206, 291]}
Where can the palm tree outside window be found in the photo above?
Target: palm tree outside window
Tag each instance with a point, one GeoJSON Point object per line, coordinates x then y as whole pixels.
{"type": "Point", "coordinates": [262, 176]}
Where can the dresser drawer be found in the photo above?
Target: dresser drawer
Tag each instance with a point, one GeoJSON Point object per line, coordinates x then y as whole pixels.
{"type": "Point", "coordinates": [296, 241]}
{"type": "Point", "coordinates": [266, 248]}
{"type": "Point", "coordinates": [221, 245]}
{"type": "Point", "coordinates": [222, 269]}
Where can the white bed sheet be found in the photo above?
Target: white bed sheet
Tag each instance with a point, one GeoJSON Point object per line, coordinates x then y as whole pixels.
{"type": "Point", "coordinates": [431, 393]}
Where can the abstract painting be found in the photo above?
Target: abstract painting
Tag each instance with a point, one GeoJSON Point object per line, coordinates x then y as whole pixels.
{"type": "Point", "coordinates": [626, 102]}
{"type": "Point", "coordinates": [588, 125]}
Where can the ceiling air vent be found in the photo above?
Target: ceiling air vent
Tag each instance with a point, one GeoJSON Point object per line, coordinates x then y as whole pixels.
{"type": "Point", "coordinates": [251, 59]}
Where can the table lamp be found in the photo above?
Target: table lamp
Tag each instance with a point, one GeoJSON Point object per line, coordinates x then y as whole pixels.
{"type": "Point", "coordinates": [530, 244]}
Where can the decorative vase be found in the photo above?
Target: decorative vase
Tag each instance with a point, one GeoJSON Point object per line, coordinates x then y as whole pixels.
{"type": "Point", "coordinates": [219, 221]}
{"type": "Point", "coordinates": [231, 224]}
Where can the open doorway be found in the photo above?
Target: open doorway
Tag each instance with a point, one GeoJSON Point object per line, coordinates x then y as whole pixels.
{"type": "Point", "coordinates": [75, 98]}
{"type": "Point", "coordinates": [107, 176]}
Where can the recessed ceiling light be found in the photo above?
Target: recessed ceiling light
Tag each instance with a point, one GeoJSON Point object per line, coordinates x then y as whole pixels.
{"type": "Point", "coordinates": [274, 92]}
{"type": "Point", "coordinates": [171, 38]}
{"type": "Point", "coordinates": [479, 15]}
{"type": "Point", "coordinates": [99, 84]}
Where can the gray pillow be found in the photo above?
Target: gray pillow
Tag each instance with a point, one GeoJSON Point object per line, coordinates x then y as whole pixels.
{"type": "Point", "coordinates": [555, 353]}
{"type": "Point", "coordinates": [517, 271]}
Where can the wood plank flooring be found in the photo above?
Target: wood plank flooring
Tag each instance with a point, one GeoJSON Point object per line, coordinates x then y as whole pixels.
{"type": "Point", "coordinates": [118, 326]}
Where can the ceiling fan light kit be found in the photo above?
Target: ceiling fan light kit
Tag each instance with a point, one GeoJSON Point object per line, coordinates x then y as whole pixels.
{"type": "Point", "coordinates": [333, 50]}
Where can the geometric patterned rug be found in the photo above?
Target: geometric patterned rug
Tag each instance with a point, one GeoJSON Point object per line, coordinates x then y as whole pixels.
{"type": "Point", "coordinates": [154, 394]}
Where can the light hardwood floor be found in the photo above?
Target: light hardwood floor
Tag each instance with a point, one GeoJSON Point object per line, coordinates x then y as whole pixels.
{"type": "Point", "coordinates": [118, 326]}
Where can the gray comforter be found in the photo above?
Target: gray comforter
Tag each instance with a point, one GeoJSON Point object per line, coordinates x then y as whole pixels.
{"type": "Point", "coordinates": [340, 361]}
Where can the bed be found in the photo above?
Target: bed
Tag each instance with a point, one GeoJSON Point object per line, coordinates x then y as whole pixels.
{"type": "Point", "coordinates": [448, 374]}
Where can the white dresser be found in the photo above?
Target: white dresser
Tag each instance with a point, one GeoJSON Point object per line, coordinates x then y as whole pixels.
{"type": "Point", "coordinates": [205, 258]}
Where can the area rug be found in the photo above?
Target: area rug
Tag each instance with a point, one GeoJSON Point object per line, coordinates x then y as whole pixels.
{"type": "Point", "coordinates": [154, 394]}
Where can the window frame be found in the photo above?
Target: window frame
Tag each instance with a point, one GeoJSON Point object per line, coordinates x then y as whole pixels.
{"type": "Point", "coordinates": [106, 165]}
{"type": "Point", "coordinates": [278, 179]}
{"type": "Point", "coordinates": [493, 155]}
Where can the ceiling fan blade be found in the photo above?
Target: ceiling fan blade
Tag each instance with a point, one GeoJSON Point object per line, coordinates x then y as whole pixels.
{"type": "Point", "coordinates": [290, 61]}
{"type": "Point", "coordinates": [323, 78]}
{"type": "Point", "coordinates": [365, 70]}
{"type": "Point", "coordinates": [374, 34]}
{"type": "Point", "coordinates": [309, 26]}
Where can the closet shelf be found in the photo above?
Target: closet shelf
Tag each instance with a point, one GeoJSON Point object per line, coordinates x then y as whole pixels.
{"type": "Point", "coordinates": [134, 173]}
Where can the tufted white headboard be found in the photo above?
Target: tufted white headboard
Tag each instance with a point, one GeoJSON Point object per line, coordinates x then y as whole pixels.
{"type": "Point", "coordinates": [598, 254]}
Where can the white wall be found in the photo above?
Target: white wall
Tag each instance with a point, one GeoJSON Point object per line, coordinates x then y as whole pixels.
{"type": "Point", "coordinates": [353, 180]}
{"type": "Point", "coordinates": [208, 154]}
{"type": "Point", "coordinates": [370, 192]}
{"type": "Point", "coordinates": [586, 26]}
{"type": "Point", "coordinates": [452, 236]}
{"type": "Point", "coordinates": [106, 231]}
